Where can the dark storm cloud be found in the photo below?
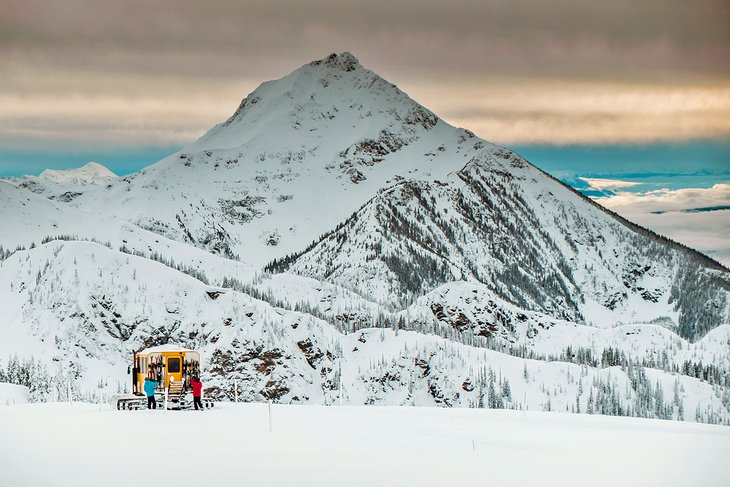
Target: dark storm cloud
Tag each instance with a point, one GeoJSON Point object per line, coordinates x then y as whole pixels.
{"type": "Point", "coordinates": [616, 38]}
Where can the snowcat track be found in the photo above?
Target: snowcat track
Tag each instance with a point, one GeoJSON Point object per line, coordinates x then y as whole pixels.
{"type": "Point", "coordinates": [131, 404]}
{"type": "Point", "coordinates": [135, 404]}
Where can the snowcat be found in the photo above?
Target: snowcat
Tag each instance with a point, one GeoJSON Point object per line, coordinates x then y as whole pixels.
{"type": "Point", "coordinates": [171, 367]}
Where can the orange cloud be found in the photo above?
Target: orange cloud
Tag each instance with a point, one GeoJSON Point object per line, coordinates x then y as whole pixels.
{"type": "Point", "coordinates": [512, 111]}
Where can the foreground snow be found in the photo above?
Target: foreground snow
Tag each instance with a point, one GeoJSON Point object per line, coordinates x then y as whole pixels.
{"type": "Point", "coordinates": [89, 445]}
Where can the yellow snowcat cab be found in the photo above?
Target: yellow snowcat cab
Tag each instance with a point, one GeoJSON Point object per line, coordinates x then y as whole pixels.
{"type": "Point", "coordinates": [166, 365]}
{"type": "Point", "coordinates": [172, 367]}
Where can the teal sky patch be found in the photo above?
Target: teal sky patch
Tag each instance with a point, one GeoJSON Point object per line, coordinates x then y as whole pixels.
{"type": "Point", "coordinates": [120, 160]}
{"type": "Point", "coordinates": [694, 164]}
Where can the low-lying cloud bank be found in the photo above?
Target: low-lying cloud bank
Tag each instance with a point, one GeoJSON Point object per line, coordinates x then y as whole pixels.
{"type": "Point", "coordinates": [696, 217]}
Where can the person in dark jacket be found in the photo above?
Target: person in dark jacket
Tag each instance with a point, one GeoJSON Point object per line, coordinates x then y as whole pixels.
{"type": "Point", "coordinates": [149, 391]}
{"type": "Point", "coordinates": [197, 391]}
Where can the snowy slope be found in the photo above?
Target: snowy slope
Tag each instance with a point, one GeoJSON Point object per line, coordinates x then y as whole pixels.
{"type": "Point", "coordinates": [470, 311]}
{"type": "Point", "coordinates": [82, 303]}
{"type": "Point", "coordinates": [501, 222]}
{"type": "Point", "coordinates": [29, 219]}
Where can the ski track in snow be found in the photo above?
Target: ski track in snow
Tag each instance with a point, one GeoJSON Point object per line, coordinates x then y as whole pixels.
{"type": "Point", "coordinates": [89, 445]}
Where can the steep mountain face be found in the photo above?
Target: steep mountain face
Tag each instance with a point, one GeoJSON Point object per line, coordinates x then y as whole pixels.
{"type": "Point", "coordinates": [499, 221]}
{"type": "Point", "coordinates": [334, 240]}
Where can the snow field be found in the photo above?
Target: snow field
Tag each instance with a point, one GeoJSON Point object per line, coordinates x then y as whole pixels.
{"type": "Point", "coordinates": [89, 445]}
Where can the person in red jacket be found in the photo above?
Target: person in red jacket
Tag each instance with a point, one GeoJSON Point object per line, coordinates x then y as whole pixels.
{"type": "Point", "coordinates": [197, 391]}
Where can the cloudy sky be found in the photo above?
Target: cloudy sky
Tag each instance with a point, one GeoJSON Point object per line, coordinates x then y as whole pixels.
{"type": "Point", "coordinates": [610, 88]}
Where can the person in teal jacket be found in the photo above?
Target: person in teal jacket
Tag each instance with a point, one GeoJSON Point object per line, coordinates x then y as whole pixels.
{"type": "Point", "coordinates": [149, 391]}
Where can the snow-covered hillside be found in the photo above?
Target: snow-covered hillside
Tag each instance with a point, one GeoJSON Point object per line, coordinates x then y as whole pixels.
{"type": "Point", "coordinates": [501, 222]}
{"type": "Point", "coordinates": [81, 303]}
{"type": "Point", "coordinates": [86, 304]}
{"type": "Point", "coordinates": [335, 239]}
{"type": "Point", "coordinates": [29, 219]}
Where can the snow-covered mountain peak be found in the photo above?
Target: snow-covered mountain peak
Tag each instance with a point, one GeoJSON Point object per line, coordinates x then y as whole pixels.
{"type": "Point", "coordinates": [334, 92]}
{"type": "Point", "coordinates": [91, 173]}
{"type": "Point", "coordinates": [345, 61]}
{"type": "Point", "coordinates": [66, 185]}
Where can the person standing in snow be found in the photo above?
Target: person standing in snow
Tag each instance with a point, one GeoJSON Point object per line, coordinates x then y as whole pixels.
{"type": "Point", "coordinates": [197, 391]}
{"type": "Point", "coordinates": [149, 390]}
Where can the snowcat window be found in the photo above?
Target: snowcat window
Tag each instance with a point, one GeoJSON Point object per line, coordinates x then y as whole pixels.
{"type": "Point", "coordinates": [173, 365]}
